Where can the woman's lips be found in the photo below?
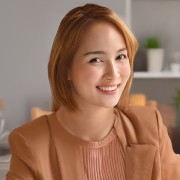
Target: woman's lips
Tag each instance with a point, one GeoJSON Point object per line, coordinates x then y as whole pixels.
{"type": "Point", "coordinates": [107, 88]}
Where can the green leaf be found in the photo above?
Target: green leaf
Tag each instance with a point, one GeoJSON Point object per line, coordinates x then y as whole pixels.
{"type": "Point", "coordinates": [152, 42]}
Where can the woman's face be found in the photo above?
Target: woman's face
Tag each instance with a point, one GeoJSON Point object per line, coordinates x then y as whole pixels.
{"type": "Point", "coordinates": [100, 67]}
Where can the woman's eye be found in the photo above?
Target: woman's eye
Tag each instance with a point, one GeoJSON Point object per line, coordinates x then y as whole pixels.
{"type": "Point", "coordinates": [95, 60]}
{"type": "Point", "coordinates": [121, 57]}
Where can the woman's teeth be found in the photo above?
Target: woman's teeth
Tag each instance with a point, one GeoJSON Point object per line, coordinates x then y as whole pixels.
{"type": "Point", "coordinates": [111, 88]}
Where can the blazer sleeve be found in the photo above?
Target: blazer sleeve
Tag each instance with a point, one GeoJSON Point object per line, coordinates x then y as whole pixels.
{"type": "Point", "coordinates": [22, 165]}
{"type": "Point", "coordinates": [170, 162]}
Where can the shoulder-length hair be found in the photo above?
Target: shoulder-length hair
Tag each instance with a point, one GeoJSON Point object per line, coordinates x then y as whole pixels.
{"type": "Point", "coordinates": [66, 43]}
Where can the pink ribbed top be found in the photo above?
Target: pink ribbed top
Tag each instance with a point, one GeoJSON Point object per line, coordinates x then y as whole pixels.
{"type": "Point", "coordinates": [104, 160]}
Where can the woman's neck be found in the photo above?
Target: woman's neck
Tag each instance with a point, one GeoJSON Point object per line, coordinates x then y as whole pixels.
{"type": "Point", "coordinates": [90, 125]}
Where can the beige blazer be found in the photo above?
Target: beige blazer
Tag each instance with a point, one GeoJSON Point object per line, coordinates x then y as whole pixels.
{"type": "Point", "coordinates": [43, 150]}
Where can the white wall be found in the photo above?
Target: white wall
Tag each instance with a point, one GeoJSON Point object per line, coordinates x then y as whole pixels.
{"type": "Point", "coordinates": [157, 17]}
{"type": "Point", "coordinates": [27, 29]}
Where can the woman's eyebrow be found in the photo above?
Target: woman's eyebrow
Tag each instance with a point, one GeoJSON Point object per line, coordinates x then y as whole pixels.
{"type": "Point", "coordinates": [94, 52]}
{"type": "Point", "coordinates": [102, 52]}
{"type": "Point", "coordinates": [122, 49]}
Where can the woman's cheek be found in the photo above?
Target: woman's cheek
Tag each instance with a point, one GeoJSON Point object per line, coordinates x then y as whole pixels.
{"type": "Point", "coordinates": [125, 70]}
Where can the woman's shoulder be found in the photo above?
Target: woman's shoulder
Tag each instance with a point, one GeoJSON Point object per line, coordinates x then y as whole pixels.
{"type": "Point", "coordinates": [142, 113]}
{"type": "Point", "coordinates": [32, 125]}
{"type": "Point", "coordinates": [33, 131]}
{"type": "Point", "coordinates": [140, 109]}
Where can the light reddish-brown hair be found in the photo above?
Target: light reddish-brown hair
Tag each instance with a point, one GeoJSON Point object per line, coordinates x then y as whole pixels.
{"type": "Point", "coordinates": [66, 43]}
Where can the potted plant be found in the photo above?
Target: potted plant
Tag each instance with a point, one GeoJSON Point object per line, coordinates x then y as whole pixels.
{"type": "Point", "coordinates": [177, 106]}
{"type": "Point", "coordinates": [155, 54]}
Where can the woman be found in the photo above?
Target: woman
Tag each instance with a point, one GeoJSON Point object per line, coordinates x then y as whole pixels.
{"type": "Point", "coordinates": [93, 134]}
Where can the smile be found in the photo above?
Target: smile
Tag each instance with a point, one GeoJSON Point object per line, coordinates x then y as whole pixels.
{"type": "Point", "coordinates": [107, 88]}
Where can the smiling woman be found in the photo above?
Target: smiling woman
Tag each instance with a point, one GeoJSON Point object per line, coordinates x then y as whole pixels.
{"type": "Point", "coordinates": [78, 23]}
{"type": "Point", "coordinates": [93, 133]}
{"type": "Point", "coordinates": [100, 67]}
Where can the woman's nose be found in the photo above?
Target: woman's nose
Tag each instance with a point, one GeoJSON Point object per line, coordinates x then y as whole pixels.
{"type": "Point", "coordinates": [112, 71]}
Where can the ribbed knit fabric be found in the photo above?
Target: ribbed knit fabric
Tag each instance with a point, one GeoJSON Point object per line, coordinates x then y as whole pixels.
{"type": "Point", "coordinates": [104, 160]}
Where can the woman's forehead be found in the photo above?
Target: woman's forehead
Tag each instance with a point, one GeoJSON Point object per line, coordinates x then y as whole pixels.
{"type": "Point", "coordinates": [101, 36]}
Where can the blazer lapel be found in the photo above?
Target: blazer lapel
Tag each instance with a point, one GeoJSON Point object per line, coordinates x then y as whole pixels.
{"type": "Point", "coordinates": [69, 154]}
{"type": "Point", "coordinates": [139, 161]}
{"type": "Point", "coordinates": [139, 156]}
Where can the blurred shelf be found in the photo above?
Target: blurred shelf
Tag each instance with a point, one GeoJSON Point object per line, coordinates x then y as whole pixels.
{"type": "Point", "coordinates": [157, 75]}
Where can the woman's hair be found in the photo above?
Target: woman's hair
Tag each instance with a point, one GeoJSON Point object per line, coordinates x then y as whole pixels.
{"type": "Point", "coordinates": [66, 43]}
